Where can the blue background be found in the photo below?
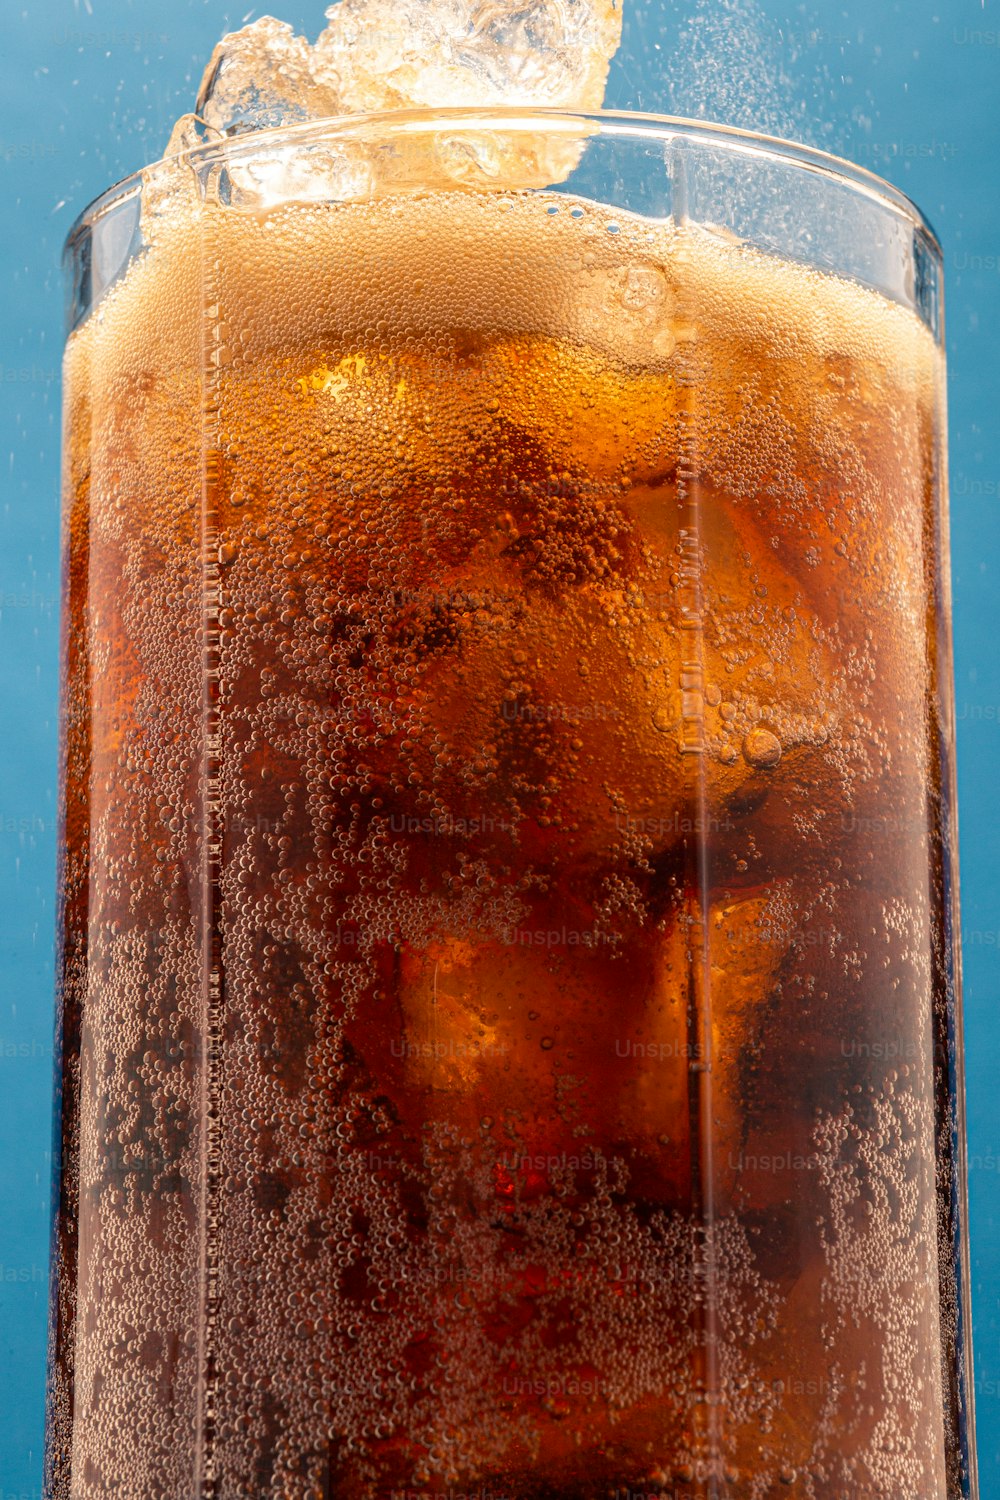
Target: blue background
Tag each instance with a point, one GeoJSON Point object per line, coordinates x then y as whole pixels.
{"type": "Point", "coordinates": [89, 92]}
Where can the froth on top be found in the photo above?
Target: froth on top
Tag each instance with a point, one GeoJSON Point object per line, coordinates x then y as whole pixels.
{"type": "Point", "coordinates": [421, 266]}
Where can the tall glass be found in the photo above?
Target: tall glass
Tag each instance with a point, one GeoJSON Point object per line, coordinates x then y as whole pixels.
{"type": "Point", "coordinates": [510, 1034]}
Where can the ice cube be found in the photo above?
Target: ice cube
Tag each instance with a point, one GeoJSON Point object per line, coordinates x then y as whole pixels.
{"type": "Point", "coordinates": [261, 77]}
{"type": "Point", "coordinates": [188, 134]}
{"type": "Point", "coordinates": [380, 55]}
{"type": "Point", "coordinates": [170, 184]}
{"type": "Point", "coordinates": [317, 173]}
{"type": "Point", "coordinates": [386, 54]}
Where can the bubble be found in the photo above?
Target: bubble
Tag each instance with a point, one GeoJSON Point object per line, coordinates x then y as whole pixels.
{"type": "Point", "coordinates": [644, 288]}
{"type": "Point", "coordinates": [762, 749]}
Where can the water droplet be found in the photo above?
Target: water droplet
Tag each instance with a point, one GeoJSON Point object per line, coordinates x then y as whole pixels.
{"type": "Point", "coordinates": [662, 719]}
{"type": "Point", "coordinates": [547, 1043]}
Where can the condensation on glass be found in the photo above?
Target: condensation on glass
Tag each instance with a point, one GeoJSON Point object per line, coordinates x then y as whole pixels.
{"type": "Point", "coordinates": [510, 1032]}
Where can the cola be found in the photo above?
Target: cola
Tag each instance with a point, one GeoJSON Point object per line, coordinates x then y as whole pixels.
{"type": "Point", "coordinates": [507, 962]}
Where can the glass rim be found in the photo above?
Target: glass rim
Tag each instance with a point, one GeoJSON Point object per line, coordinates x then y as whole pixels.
{"type": "Point", "coordinates": [624, 124]}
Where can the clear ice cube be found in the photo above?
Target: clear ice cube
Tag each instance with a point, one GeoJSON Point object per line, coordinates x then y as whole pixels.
{"type": "Point", "coordinates": [379, 55]}
{"type": "Point", "coordinates": [188, 134]}
{"type": "Point", "coordinates": [398, 54]}
{"type": "Point", "coordinates": [263, 76]}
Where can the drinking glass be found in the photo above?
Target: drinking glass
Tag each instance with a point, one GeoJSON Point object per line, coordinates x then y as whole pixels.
{"type": "Point", "coordinates": [510, 1039]}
